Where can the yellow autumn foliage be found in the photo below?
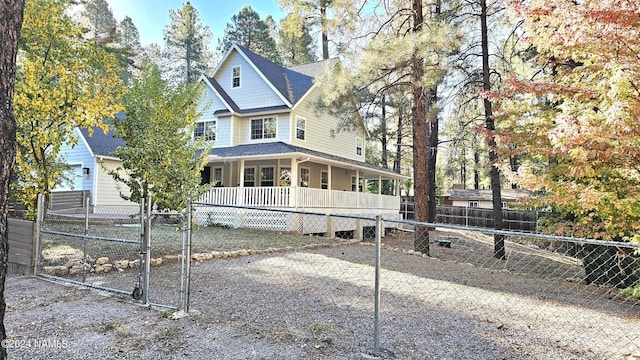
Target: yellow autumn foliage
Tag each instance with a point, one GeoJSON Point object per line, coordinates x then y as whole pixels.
{"type": "Point", "coordinates": [64, 81]}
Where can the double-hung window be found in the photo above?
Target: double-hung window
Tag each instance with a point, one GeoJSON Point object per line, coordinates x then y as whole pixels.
{"type": "Point", "coordinates": [358, 146]}
{"type": "Point", "coordinates": [267, 176]}
{"type": "Point", "coordinates": [324, 179]}
{"type": "Point", "coordinates": [263, 128]}
{"type": "Point", "coordinates": [300, 129]}
{"type": "Point", "coordinates": [205, 130]}
{"type": "Point", "coordinates": [235, 77]}
{"type": "Point", "coordinates": [250, 177]}
{"type": "Point", "coordinates": [305, 175]}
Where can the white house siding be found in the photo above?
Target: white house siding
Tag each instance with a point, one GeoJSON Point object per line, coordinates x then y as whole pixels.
{"type": "Point", "coordinates": [78, 157]}
{"type": "Point", "coordinates": [254, 92]}
{"type": "Point", "coordinates": [223, 132]}
{"type": "Point", "coordinates": [482, 204]}
{"type": "Point", "coordinates": [321, 131]}
{"type": "Point", "coordinates": [209, 103]}
{"type": "Point", "coordinates": [107, 198]}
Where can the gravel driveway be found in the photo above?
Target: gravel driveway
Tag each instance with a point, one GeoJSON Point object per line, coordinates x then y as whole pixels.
{"type": "Point", "coordinates": [319, 304]}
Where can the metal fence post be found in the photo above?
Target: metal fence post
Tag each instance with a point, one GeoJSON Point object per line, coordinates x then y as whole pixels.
{"type": "Point", "coordinates": [147, 251]}
{"type": "Point", "coordinates": [376, 291]}
{"type": "Point", "coordinates": [84, 241]}
{"type": "Point", "coordinates": [37, 235]}
{"type": "Point", "coordinates": [186, 261]}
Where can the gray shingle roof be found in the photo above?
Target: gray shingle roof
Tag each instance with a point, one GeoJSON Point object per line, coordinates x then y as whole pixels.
{"type": "Point", "coordinates": [275, 148]}
{"type": "Point", "coordinates": [474, 194]}
{"type": "Point", "coordinates": [291, 84]}
{"type": "Point", "coordinates": [315, 69]}
{"type": "Point", "coordinates": [102, 144]}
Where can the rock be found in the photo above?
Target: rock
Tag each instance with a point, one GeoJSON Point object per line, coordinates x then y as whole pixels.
{"type": "Point", "coordinates": [198, 257]}
{"type": "Point", "coordinates": [121, 265]}
{"type": "Point", "coordinates": [170, 259]}
{"type": "Point", "coordinates": [75, 270]}
{"type": "Point", "coordinates": [107, 268]}
{"type": "Point", "coordinates": [102, 261]}
{"type": "Point", "coordinates": [134, 264]}
{"type": "Point", "coordinates": [155, 262]}
{"type": "Point", "coordinates": [62, 270]}
{"type": "Point", "coordinates": [49, 270]}
{"type": "Point", "coordinates": [98, 268]}
{"type": "Point", "coordinates": [216, 254]}
{"type": "Point", "coordinates": [242, 252]}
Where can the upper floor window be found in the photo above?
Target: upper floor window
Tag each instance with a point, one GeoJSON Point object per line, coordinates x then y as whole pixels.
{"type": "Point", "coordinates": [235, 77]}
{"type": "Point", "coordinates": [300, 128]}
{"type": "Point", "coordinates": [205, 130]}
{"type": "Point", "coordinates": [505, 205]}
{"type": "Point", "coordinates": [359, 146]}
{"type": "Point", "coordinates": [473, 203]}
{"type": "Point", "coordinates": [263, 128]}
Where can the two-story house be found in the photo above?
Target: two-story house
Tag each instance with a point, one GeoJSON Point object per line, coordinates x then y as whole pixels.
{"type": "Point", "coordinates": [273, 146]}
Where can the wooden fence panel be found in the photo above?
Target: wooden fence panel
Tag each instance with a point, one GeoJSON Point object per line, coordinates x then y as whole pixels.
{"type": "Point", "coordinates": [70, 201]}
{"type": "Point", "coordinates": [22, 246]}
{"type": "Point", "coordinates": [516, 220]}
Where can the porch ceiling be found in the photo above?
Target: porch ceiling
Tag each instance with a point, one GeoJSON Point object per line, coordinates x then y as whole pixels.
{"type": "Point", "coordinates": [275, 150]}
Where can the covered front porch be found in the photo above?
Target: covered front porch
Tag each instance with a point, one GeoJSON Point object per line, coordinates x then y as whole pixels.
{"type": "Point", "coordinates": [283, 176]}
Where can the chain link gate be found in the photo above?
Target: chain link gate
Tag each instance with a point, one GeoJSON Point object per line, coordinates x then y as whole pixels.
{"type": "Point", "coordinates": [163, 259]}
{"type": "Point", "coordinates": [144, 254]}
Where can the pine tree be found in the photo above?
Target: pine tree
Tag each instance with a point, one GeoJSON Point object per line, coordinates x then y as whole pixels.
{"type": "Point", "coordinates": [11, 14]}
{"type": "Point", "coordinates": [186, 40]}
{"type": "Point", "coordinates": [295, 42]}
{"type": "Point", "coordinates": [102, 24]}
{"type": "Point", "coordinates": [247, 29]}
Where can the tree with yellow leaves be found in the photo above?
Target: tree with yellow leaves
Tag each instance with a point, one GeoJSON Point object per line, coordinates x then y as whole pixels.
{"type": "Point", "coordinates": [63, 81]}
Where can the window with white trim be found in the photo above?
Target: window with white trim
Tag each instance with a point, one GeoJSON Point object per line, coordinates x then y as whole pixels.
{"type": "Point", "coordinates": [217, 176]}
{"type": "Point", "coordinates": [473, 204]}
{"type": "Point", "coordinates": [505, 205]}
{"type": "Point", "coordinates": [267, 175]}
{"type": "Point", "coordinates": [357, 183]}
{"type": "Point", "coordinates": [358, 146]}
{"type": "Point", "coordinates": [235, 77]}
{"type": "Point", "coordinates": [250, 177]}
{"type": "Point", "coordinates": [205, 130]}
{"type": "Point", "coordinates": [263, 128]}
{"type": "Point", "coordinates": [324, 179]}
{"type": "Point", "coordinates": [300, 128]}
{"type": "Point", "coordinates": [305, 176]}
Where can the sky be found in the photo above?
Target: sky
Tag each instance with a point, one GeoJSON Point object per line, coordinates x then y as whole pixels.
{"type": "Point", "coordinates": [151, 16]}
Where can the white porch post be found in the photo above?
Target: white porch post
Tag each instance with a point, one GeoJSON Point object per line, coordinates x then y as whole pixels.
{"type": "Point", "coordinates": [240, 199]}
{"type": "Point", "coordinates": [379, 191]}
{"type": "Point", "coordinates": [329, 186]}
{"type": "Point", "coordinates": [358, 188]}
{"type": "Point", "coordinates": [293, 196]}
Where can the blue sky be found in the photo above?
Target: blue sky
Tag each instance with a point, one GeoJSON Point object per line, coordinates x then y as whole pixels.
{"type": "Point", "coordinates": [151, 16]}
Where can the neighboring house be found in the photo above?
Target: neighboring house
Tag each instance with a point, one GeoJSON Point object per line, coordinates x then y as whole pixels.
{"type": "Point", "coordinates": [273, 146]}
{"type": "Point", "coordinates": [88, 160]}
{"type": "Point", "coordinates": [484, 198]}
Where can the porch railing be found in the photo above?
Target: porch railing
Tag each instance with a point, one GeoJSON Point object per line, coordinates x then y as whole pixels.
{"type": "Point", "coordinates": [298, 197]}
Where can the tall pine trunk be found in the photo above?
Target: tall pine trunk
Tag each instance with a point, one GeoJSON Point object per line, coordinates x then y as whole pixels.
{"type": "Point", "coordinates": [11, 13]}
{"type": "Point", "coordinates": [498, 240]}
{"type": "Point", "coordinates": [421, 234]}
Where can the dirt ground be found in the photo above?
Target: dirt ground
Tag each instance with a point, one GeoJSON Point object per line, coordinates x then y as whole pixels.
{"type": "Point", "coordinates": [318, 304]}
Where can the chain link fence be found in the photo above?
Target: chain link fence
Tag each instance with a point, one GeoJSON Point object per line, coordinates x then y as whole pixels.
{"type": "Point", "coordinates": [118, 249]}
{"type": "Point", "coordinates": [311, 280]}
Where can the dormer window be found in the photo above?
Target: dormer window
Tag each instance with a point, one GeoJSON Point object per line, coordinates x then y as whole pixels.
{"type": "Point", "coordinates": [235, 77]}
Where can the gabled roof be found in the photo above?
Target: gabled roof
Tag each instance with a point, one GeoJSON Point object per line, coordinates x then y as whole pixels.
{"type": "Point", "coordinates": [277, 148]}
{"type": "Point", "coordinates": [315, 69]}
{"type": "Point", "coordinates": [102, 144]}
{"type": "Point", "coordinates": [474, 194]}
{"type": "Point", "coordinates": [292, 85]}
{"type": "Point", "coordinates": [225, 97]}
